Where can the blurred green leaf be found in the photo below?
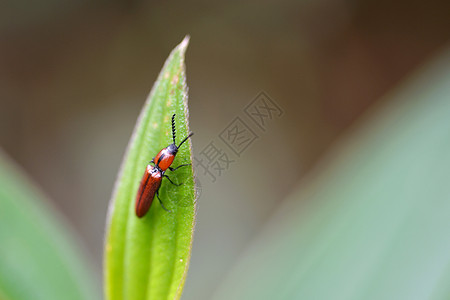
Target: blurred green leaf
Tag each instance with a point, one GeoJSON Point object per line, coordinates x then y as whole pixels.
{"type": "Point", "coordinates": [39, 255]}
{"type": "Point", "coordinates": [148, 258]}
{"type": "Point", "coordinates": [373, 221]}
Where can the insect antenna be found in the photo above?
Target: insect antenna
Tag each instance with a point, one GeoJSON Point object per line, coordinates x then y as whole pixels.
{"type": "Point", "coordinates": [190, 134]}
{"type": "Point", "coordinates": [173, 128]}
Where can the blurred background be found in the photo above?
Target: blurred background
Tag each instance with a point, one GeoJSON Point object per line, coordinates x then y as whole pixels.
{"type": "Point", "coordinates": [74, 75]}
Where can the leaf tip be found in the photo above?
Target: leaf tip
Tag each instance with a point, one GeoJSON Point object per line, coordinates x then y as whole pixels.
{"type": "Point", "coordinates": [184, 44]}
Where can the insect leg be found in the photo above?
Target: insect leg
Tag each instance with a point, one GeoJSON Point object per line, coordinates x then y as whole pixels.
{"type": "Point", "coordinates": [173, 169]}
{"type": "Point", "coordinates": [172, 181]}
{"type": "Point", "coordinates": [162, 205]}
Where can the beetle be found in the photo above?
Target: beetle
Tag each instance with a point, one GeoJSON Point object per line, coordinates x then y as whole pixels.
{"type": "Point", "coordinates": [153, 175]}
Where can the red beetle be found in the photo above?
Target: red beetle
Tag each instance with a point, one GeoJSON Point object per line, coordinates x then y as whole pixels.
{"type": "Point", "coordinates": [153, 175]}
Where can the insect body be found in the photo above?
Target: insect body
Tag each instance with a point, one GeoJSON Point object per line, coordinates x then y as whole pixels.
{"type": "Point", "coordinates": [153, 175]}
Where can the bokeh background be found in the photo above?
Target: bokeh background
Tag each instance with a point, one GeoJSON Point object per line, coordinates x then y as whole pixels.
{"type": "Point", "coordinates": [74, 75]}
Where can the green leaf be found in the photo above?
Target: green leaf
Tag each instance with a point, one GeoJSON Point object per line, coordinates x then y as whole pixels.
{"type": "Point", "coordinates": [148, 258]}
{"type": "Point", "coordinates": [373, 222]}
{"type": "Point", "coordinates": [39, 255]}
